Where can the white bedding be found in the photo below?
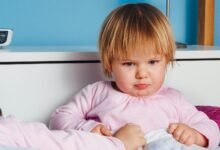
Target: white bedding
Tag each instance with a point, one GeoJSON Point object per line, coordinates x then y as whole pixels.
{"type": "Point", "coordinates": [161, 140]}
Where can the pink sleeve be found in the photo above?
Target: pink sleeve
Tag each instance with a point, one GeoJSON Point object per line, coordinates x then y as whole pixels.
{"type": "Point", "coordinates": [15, 133]}
{"type": "Point", "coordinates": [199, 121]}
{"type": "Point", "coordinates": [73, 115]}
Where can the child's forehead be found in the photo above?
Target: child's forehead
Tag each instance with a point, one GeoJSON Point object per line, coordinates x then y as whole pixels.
{"type": "Point", "coordinates": [143, 54]}
{"type": "Point", "coordinates": [139, 54]}
{"type": "Point", "coordinates": [147, 50]}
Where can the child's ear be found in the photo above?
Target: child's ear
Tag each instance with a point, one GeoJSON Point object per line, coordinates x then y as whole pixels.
{"type": "Point", "coordinates": [109, 71]}
{"type": "Point", "coordinates": [110, 68]}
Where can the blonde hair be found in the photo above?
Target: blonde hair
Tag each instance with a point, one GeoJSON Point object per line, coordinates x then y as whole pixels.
{"type": "Point", "coordinates": [133, 25]}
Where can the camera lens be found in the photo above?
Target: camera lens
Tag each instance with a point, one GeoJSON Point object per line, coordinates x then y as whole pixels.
{"type": "Point", "coordinates": [3, 36]}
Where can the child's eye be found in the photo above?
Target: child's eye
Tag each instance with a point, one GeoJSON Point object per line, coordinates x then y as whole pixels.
{"type": "Point", "coordinates": [128, 64]}
{"type": "Point", "coordinates": [152, 62]}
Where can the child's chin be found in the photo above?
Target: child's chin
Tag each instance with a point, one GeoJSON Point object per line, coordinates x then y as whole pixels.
{"type": "Point", "coordinates": [142, 94]}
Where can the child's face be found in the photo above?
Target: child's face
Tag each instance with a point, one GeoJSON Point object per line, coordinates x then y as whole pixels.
{"type": "Point", "coordinates": [139, 75]}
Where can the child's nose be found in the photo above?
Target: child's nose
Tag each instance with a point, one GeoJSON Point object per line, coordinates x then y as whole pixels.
{"type": "Point", "coordinates": [141, 73]}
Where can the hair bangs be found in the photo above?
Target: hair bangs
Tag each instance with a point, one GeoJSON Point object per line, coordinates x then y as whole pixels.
{"type": "Point", "coordinates": [138, 39]}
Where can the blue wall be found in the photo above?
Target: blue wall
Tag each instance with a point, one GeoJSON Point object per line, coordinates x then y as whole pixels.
{"type": "Point", "coordinates": [73, 22]}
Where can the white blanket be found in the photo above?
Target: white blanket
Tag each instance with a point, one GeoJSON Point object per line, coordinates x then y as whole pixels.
{"type": "Point", "coordinates": [161, 140]}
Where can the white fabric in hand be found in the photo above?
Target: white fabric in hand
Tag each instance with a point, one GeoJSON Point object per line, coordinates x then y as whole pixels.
{"type": "Point", "coordinates": [162, 140]}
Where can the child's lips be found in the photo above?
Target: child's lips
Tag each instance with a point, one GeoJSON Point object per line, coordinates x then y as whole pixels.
{"type": "Point", "coordinates": [141, 86]}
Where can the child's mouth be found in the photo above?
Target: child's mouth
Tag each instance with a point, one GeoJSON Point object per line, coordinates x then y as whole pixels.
{"type": "Point", "coordinates": [141, 86]}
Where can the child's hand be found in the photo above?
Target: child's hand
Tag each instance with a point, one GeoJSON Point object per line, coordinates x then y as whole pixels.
{"type": "Point", "coordinates": [186, 135]}
{"type": "Point", "coordinates": [101, 129]}
{"type": "Point", "coordinates": [132, 136]}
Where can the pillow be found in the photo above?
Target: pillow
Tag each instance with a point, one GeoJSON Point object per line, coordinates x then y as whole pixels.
{"type": "Point", "coordinates": [213, 112]}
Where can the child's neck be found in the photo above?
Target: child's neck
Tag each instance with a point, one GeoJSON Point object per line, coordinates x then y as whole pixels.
{"type": "Point", "coordinates": [114, 85]}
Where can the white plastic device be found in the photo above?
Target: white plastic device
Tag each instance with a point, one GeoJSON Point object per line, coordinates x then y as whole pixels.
{"type": "Point", "coordinates": [5, 37]}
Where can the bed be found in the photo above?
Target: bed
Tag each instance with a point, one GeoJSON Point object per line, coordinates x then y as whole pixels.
{"type": "Point", "coordinates": [34, 81]}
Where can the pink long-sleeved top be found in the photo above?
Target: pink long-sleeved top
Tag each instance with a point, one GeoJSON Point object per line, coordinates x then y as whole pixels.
{"type": "Point", "coordinates": [18, 134]}
{"type": "Point", "coordinates": [101, 103]}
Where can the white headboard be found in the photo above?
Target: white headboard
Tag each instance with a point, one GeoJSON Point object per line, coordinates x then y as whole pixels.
{"type": "Point", "coordinates": [32, 87]}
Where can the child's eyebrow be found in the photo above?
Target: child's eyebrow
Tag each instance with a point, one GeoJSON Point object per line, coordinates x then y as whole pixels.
{"type": "Point", "coordinates": [155, 57]}
{"type": "Point", "coordinates": [128, 59]}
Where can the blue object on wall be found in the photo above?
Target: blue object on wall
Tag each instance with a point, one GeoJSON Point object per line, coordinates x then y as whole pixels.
{"type": "Point", "coordinates": [217, 23]}
{"type": "Point", "coordinates": [73, 22]}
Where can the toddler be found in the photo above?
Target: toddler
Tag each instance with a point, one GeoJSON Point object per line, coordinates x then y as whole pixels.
{"type": "Point", "coordinates": [136, 45]}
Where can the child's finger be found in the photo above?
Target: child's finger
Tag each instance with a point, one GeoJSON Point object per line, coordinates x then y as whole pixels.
{"type": "Point", "coordinates": [105, 131]}
{"type": "Point", "coordinates": [172, 127]}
